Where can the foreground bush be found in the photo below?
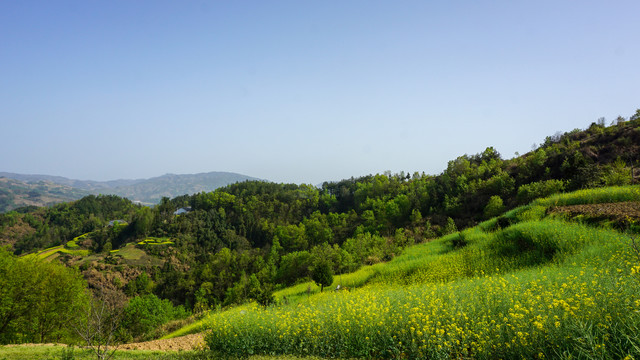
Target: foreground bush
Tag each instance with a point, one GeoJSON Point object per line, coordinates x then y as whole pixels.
{"type": "Point", "coordinates": [143, 314]}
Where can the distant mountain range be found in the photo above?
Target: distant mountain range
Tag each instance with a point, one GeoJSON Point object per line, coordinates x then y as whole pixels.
{"type": "Point", "coordinates": [18, 190]}
{"type": "Point", "coordinates": [15, 193]}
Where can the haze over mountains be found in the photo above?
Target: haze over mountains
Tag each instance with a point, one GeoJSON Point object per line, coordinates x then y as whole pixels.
{"type": "Point", "coordinates": [17, 190]}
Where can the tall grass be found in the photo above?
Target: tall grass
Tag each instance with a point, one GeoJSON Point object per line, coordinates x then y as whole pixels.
{"type": "Point", "coordinates": [539, 312]}
{"type": "Point", "coordinates": [593, 196]}
{"type": "Point", "coordinates": [552, 299]}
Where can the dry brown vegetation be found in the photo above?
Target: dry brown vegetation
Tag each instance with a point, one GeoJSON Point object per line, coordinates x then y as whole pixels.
{"type": "Point", "coordinates": [620, 212]}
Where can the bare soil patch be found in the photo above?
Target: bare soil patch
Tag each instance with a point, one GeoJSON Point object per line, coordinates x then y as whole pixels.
{"type": "Point", "coordinates": [187, 342]}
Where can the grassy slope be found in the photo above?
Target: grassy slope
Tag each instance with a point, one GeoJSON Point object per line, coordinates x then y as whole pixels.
{"type": "Point", "coordinates": [541, 287]}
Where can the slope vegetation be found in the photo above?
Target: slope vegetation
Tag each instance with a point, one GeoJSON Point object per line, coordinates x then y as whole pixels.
{"type": "Point", "coordinates": [527, 284]}
{"type": "Point", "coordinates": [264, 242]}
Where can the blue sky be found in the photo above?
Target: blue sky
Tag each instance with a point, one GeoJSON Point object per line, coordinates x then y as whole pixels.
{"type": "Point", "coordinates": [303, 92]}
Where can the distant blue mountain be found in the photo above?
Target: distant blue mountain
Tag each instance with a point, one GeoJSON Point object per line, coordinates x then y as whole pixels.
{"type": "Point", "coordinates": [148, 191]}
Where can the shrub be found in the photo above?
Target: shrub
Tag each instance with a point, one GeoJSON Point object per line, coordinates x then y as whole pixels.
{"type": "Point", "coordinates": [532, 191]}
{"type": "Point", "coordinates": [145, 313]}
{"type": "Point", "coordinates": [494, 208]}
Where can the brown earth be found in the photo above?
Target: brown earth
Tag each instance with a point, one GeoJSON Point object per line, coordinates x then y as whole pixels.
{"type": "Point", "coordinates": [621, 211]}
{"type": "Point", "coordinates": [32, 344]}
{"type": "Point", "coordinates": [187, 342]}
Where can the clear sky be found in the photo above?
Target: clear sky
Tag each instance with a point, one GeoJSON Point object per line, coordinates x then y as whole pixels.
{"type": "Point", "coordinates": [301, 91]}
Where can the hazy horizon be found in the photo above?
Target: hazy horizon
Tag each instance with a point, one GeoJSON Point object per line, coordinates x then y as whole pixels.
{"type": "Point", "coordinates": [302, 92]}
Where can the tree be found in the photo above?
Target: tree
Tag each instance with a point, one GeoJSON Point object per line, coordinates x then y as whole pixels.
{"type": "Point", "coordinates": [100, 322]}
{"type": "Point", "coordinates": [63, 296]}
{"type": "Point", "coordinates": [494, 208]}
{"type": "Point", "coordinates": [450, 227]}
{"type": "Point", "coordinates": [143, 221]}
{"type": "Point", "coordinates": [294, 266]}
{"type": "Point", "coordinates": [16, 293]}
{"type": "Point", "coordinates": [322, 274]}
{"type": "Point", "coordinates": [618, 174]}
{"type": "Point", "coordinates": [141, 285]}
{"type": "Point", "coordinates": [37, 298]}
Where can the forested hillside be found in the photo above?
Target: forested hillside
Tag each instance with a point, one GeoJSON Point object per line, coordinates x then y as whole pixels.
{"type": "Point", "coordinates": [246, 240]}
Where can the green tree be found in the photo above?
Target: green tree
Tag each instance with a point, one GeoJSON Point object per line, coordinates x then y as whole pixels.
{"type": "Point", "coordinates": [322, 274]}
{"type": "Point", "coordinates": [294, 266]}
{"type": "Point", "coordinates": [62, 297]}
{"type": "Point", "coordinates": [495, 207]}
{"type": "Point", "coordinates": [18, 285]}
{"type": "Point", "coordinates": [37, 298]}
{"type": "Point", "coordinates": [617, 174]}
{"type": "Point", "coordinates": [143, 221]}
{"type": "Point", "coordinates": [141, 285]}
{"type": "Point", "coordinates": [450, 227]}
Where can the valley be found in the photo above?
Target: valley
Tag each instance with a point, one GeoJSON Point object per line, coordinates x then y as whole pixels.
{"type": "Point", "coordinates": [530, 257]}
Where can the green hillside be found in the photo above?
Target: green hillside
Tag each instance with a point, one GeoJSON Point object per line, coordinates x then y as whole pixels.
{"type": "Point", "coordinates": [544, 286]}
{"type": "Point", "coordinates": [428, 265]}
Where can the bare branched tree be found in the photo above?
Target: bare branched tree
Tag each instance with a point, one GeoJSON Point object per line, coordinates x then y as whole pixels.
{"type": "Point", "coordinates": [99, 325]}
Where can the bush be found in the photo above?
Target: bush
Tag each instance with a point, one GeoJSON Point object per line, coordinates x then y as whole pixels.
{"type": "Point", "coordinates": [145, 313]}
{"type": "Point", "coordinates": [494, 208]}
{"type": "Point", "coordinates": [532, 191]}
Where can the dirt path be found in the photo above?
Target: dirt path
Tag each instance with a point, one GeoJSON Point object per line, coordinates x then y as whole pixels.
{"type": "Point", "coordinates": [187, 342]}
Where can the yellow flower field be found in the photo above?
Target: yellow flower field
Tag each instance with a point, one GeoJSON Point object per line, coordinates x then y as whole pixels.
{"type": "Point", "coordinates": [536, 289]}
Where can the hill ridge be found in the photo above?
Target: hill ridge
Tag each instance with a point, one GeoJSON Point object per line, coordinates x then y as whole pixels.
{"type": "Point", "coordinates": [146, 191]}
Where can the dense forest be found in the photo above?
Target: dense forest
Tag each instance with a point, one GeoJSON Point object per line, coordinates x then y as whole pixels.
{"type": "Point", "coordinates": [246, 240]}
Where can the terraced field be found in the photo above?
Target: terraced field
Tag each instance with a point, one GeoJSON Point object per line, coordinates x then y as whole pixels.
{"type": "Point", "coordinates": [132, 255]}
{"type": "Point", "coordinates": [53, 252]}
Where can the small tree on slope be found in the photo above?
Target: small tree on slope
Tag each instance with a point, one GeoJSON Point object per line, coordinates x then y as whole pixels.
{"type": "Point", "coordinates": [322, 275]}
